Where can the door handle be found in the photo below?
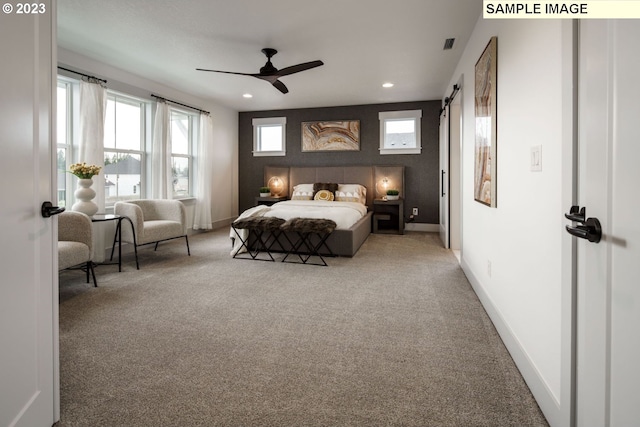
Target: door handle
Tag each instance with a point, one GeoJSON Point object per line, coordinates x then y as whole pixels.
{"type": "Point", "coordinates": [47, 210]}
{"type": "Point", "coordinates": [576, 214]}
{"type": "Point", "coordinates": [442, 180]}
{"type": "Point", "coordinates": [589, 229]}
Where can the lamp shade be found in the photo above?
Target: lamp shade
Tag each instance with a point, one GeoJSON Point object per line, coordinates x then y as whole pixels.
{"type": "Point", "coordinates": [276, 185]}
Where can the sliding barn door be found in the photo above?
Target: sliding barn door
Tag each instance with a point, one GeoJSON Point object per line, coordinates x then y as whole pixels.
{"type": "Point", "coordinates": [444, 177]}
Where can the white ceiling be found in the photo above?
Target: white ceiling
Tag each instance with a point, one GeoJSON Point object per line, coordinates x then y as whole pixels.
{"type": "Point", "coordinates": [363, 44]}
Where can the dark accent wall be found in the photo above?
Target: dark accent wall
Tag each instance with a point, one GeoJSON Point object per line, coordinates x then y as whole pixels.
{"type": "Point", "coordinates": [421, 170]}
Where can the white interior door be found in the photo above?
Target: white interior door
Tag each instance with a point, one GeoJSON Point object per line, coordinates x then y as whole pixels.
{"type": "Point", "coordinates": [444, 177]}
{"type": "Point", "coordinates": [608, 272]}
{"type": "Point", "coordinates": [28, 290]}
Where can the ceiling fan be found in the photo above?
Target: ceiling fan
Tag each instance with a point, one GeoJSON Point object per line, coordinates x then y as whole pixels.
{"type": "Point", "coordinates": [271, 73]}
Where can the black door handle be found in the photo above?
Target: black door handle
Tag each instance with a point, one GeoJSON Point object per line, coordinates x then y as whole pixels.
{"type": "Point", "coordinates": [442, 179]}
{"type": "Point", "coordinates": [47, 210]}
{"type": "Point", "coordinates": [576, 214]}
{"type": "Point", "coordinates": [589, 229]}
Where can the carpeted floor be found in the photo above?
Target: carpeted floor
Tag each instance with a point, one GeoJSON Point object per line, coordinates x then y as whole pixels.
{"type": "Point", "coordinates": [394, 336]}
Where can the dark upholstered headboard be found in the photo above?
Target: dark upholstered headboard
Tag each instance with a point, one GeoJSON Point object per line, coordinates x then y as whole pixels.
{"type": "Point", "coordinates": [373, 178]}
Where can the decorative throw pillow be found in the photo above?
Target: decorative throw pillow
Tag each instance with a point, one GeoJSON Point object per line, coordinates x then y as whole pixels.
{"type": "Point", "coordinates": [324, 186]}
{"type": "Point", "coordinates": [351, 193]}
{"type": "Point", "coordinates": [341, 196]}
{"type": "Point", "coordinates": [325, 195]}
{"type": "Point", "coordinates": [304, 187]}
{"type": "Point", "coordinates": [302, 196]}
{"type": "Point", "coordinates": [302, 192]}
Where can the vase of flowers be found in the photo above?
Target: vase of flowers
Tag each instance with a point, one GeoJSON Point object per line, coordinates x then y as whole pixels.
{"type": "Point", "coordinates": [84, 193]}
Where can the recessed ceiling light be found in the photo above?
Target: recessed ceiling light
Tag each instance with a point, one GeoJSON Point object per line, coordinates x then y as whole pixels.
{"type": "Point", "coordinates": [247, 95]}
{"type": "Point", "coordinates": [387, 84]}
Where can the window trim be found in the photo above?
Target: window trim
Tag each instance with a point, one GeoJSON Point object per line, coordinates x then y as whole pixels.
{"type": "Point", "coordinates": [415, 115]}
{"type": "Point", "coordinates": [117, 96]}
{"type": "Point", "coordinates": [67, 145]}
{"type": "Point", "coordinates": [192, 148]}
{"type": "Point", "coordinates": [269, 121]}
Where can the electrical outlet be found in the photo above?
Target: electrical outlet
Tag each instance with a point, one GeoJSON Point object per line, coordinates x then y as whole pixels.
{"type": "Point", "coordinates": [415, 211]}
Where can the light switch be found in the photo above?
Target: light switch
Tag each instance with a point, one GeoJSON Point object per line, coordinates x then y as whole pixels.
{"type": "Point", "coordinates": [536, 158]}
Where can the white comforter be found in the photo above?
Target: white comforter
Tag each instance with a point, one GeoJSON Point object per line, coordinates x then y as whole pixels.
{"type": "Point", "coordinates": [345, 214]}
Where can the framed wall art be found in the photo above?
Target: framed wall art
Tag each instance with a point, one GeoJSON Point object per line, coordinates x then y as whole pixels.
{"type": "Point", "coordinates": [341, 135]}
{"type": "Point", "coordinates": [486, 73]}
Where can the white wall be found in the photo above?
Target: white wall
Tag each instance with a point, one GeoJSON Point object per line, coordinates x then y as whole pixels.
{"type": "Point", "coordinates": [224, 188]}
{"type": "Point", "coordinates": [523, 237]}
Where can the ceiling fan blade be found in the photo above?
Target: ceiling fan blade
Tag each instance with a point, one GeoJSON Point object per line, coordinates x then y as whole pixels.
{"type": "Point", "coordinates": [297, 68]}
{"type": "Point", "coordinates": [280, 86]}
{"type": "Point", "coordinates": [227, 72]}
{"type": "Point", "coordinates": [274, 81]}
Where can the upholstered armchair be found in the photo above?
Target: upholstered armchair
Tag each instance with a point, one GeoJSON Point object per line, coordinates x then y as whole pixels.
{"type": "Point", "coordinates": [75, 245]}
{"type": "Point", "coordinates": [154, 221]}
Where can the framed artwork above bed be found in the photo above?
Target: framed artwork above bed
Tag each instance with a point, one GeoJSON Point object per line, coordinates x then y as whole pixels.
{"type": "Point", "coordinates": [341, 135]}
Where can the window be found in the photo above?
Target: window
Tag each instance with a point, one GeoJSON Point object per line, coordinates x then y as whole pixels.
{"type": "Point", "coordinates": [400, 132]}
{"type": "Point", "coordinates": [269, 136]}
{"type": "Point", "coordinates": [127, 143]}
{"type": "Point", "coordinates": [182, 124]}
{"type": "Point", "coordinates": [124, 136]}
{"type": "Point", "coordinates": [64, 140]}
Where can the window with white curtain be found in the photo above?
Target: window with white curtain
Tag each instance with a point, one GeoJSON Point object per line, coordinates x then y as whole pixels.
{"type": "Point", "coordinates": [124, 141]}
{"type": "Point", "coordinates": [182, 143]}
{"type": "Point", "coordinates": [125, 146]}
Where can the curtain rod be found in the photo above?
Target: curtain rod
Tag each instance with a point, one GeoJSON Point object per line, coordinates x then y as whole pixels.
{"type": "Point", "coordinates": [179, 103]}
{"type": "Point", "coordinates": [448, 99]}
{"type": "Point", "coordinates": [84, 75]}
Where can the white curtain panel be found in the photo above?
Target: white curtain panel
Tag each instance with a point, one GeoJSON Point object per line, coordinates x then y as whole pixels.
{"type": "Point", "coordinates": [161, 177]}
{"type": "Point", "coordinates": [204, 178]}
{"type": "Point", "coordinates": [93, 106]}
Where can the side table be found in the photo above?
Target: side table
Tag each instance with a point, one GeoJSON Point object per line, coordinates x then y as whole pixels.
{"type": "Point", "coordinates": [268, 200]}
{"type": "Point", "coordinates": [104, 217]}
{"type": "Point", "coordinates": [388, 212]}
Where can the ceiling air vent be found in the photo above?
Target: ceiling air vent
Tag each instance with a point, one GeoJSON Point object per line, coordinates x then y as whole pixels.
{"type": "Point", "coordinates": [448, 44]}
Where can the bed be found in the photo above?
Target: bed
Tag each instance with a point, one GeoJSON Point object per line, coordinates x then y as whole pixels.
{"type": "Point", "coordinates": [354, 219]}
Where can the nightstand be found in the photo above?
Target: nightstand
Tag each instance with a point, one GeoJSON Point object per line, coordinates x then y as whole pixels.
{"type": "Point", "coordinates": [388, 216]}
{"type": "Point", "coordinates": [268, 200]}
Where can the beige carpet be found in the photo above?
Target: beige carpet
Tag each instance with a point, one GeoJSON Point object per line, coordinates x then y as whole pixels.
{"type": "Point", "coordinates": [394, 336]}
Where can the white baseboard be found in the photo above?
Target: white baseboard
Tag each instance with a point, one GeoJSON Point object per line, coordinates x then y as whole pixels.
{"type": "Point", "coordinates": [547, 402]}
{"type": "Point", "coordinates": [223, 223]}
{"type": "Point", "coordinates": [427, 228]}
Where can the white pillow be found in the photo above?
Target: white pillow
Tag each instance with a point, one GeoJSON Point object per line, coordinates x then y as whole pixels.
{"type": "Point", "coordinates": [351, 193]}
{"type": "Point", "coordinates": [302, 192]}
